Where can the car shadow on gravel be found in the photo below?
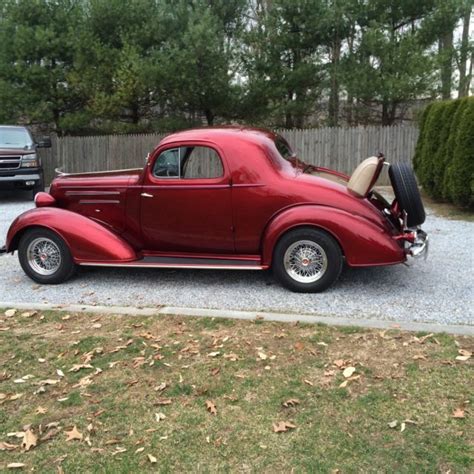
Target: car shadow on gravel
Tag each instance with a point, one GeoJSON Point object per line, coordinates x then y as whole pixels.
{"type": "Point", "coordinates": [15, 196]}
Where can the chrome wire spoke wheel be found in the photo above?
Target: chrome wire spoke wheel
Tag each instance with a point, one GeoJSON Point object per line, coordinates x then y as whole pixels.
{"type": "Point", "coordinates": [44, 256]}
{"type": "Point", "coordinates": [305, 261]}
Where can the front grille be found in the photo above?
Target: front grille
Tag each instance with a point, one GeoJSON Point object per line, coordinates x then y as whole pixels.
{"type": "Point", "coordinates": [10, 162]}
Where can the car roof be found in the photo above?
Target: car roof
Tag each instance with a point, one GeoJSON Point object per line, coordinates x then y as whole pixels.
{"type": "Point", "coordinates": [22, 127]}
{"type": "Point", "coordinates": [217, 134]}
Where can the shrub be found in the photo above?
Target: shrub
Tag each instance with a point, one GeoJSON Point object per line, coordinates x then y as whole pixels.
{"type": "Point", "coordinates": [460, 172]}
{"type": "Point", "coordinates": [444, 155]}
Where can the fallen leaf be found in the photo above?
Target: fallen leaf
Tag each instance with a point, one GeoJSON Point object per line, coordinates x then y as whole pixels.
{"type": "Point", "coordinates": [292, 402]}
{"type": "Point", "coordinates": [139, 450]}
{"type": "Point", "coordinates": [15, 396]}
{"type": "Point", "coordinates": [464, 355]}
{"type": "Point", "coordinates": [308, 382]}
{"type": "Point", "coordinates": [118, 450]}
{"type": "Point", "coordinates": [348, 371]}
{"type": "Point", "coordinates": [213, 354]}
{"type": "Point", "coordinates": [419, 357]}
{"type": "Point", "coordinates": [10, 312]}
{"type": "Point", "coordinates": [211, 407]}
{"type": "Point", "coordinates": [159, 416]}
{"type": "Point", "coordinates": [163, 401]}
{"type": "Point", "coordinates": [262, 356]}
{"type": "Point", "coordinates": [152, 459]}
{"type": "Point", "coordinates": [160, 387]}
{"type": "Point", "coordinates": [402, 427]}
{"type": "Point", "coordinates": [50, 434]}
{"type": "Point", "coordinates": [4, 446]}
{"type": "Point", "coordinates": [30, 440]}
{"type": "Point", "coordinates": [74, 434]}
{"type": "Point", "coordinates": [393, 424]}
{"type": "Point", "coordinates": [299, 346]}
{"type": "Point", "coordinates": [458, 413]}
{"type": "Point", "coordinates": [232, 357]}
{"type": "Point", "coordinates": [41, 410]}
{"type": "Point", "coordinates": [77, 367]}
{"type": "Point", "coordinates": [15, 465]}
{"type": "Point", "coordinates": [283, 426]}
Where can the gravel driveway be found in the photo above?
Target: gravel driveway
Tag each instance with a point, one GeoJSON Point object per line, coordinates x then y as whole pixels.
{"type": "Point", "coordinates": [439, 290]}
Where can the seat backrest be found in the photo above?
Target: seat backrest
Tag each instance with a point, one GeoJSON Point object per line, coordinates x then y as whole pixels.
{"type": "Point", "coordinates": [365, 175]}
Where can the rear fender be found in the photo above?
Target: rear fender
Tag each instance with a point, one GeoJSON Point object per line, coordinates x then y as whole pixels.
{"type": "Point", "coordinates": [363, 242]}
{"type": "Point", "coordinates": [87, 240]}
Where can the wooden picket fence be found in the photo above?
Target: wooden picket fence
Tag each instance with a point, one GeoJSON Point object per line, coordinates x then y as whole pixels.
{"type": "Point", "coordinates": [341, 149]}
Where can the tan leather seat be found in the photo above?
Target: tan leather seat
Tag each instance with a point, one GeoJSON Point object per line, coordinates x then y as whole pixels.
{"type": "Point", "coordinates": [364, 176]}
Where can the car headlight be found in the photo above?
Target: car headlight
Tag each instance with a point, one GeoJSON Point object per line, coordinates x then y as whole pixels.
{"type": "Point", "coordinates": [30, 161]}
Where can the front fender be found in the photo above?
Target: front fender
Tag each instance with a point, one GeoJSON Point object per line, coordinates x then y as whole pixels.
{"type": "Point", "coordinates": [87, 240]}
{"type": "Point", "coordinates": [362, 241]}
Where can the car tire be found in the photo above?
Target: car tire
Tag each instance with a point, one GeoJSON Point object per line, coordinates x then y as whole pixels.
{"type": "Point", "coordinates": [407, 193]}
{"type": "Point", "coordinates": [307, 260]}
{"type": "Point", "coordinates": [39, 188]}
{"type": "Point", "coordinates": [45, 257]}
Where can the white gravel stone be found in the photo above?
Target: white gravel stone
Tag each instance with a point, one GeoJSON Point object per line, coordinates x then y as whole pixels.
{"type": "Point", "coordinates": [439, 290]}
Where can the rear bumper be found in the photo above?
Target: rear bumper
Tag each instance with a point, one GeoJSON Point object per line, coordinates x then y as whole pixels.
{"type": "Point", "coordinates": [420, 246]}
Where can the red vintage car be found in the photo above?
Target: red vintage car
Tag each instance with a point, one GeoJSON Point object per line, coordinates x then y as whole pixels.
{"type": "Point", "coordinates": [223, 198]}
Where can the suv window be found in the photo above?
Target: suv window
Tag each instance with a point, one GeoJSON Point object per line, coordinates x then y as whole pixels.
{"type": "Point", "coordinates": [192, 162]}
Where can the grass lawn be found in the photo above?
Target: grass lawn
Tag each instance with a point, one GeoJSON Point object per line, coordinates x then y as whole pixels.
{"type": "Point", "coordinates": [174, 394]}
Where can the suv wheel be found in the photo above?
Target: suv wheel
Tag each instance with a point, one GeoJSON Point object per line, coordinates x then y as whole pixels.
{"type": "Point", "coordinates": [307, 260]}
{"type": "Point", "coordinates": [45, 257]}
{"type": "Point", "coordinates": [39, 188]}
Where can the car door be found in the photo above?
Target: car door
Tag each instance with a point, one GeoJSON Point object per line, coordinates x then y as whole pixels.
{"type": "Point", "coordinates": [186, 201]}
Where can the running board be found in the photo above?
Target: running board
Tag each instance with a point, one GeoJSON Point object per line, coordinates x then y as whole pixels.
{"type": "Point", "coordinates": [184, 262]}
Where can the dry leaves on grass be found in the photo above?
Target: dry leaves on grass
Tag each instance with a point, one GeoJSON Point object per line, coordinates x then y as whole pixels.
{"type": "Point", "coordinates": [152, 459]}
{"type": "Point", "coordinates": [283, 426]}
{"type": "Point", "coordinates": [211, 407]}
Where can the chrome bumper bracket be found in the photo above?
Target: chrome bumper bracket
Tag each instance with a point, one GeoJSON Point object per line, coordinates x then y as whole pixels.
{"type": "Point", "coordinates": [420, 247]}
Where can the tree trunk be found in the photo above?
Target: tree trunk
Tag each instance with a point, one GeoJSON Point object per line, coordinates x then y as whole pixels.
{"type": "Point", "coordinates": [464, 79]}
{"type": "Point", "coordinates": [333, 106]}
{"type": "Point", "coordinates": [389, 111]}
{"type": "Point", "coordinates": [445, 48]}
{"type": "Point", "coordinates": [209, 117]}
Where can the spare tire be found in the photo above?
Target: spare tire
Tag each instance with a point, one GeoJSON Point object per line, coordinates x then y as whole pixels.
{"type": "Point", "coordinates": [406, 191]}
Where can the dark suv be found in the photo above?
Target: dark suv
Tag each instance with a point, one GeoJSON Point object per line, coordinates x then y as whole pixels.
{"type": "Point", "coordinates": [20, 165]}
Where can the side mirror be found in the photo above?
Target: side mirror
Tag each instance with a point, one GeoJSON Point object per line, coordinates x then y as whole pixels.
{"type": "Point", "coordinates": [45, 142]}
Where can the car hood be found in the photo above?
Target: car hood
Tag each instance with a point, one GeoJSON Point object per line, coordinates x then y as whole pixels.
{"type": "Point", "coordinates": [16, 151]}
{"type": "Point", "coordinates": [98, 179]}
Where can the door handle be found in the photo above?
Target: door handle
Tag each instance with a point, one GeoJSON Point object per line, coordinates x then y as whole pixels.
{"type": "Point", "coordinates": [146, 195]}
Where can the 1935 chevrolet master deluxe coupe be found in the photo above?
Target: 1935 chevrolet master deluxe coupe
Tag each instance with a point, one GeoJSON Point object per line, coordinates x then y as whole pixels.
{"type": "Point", "coordinates": [223, 198]}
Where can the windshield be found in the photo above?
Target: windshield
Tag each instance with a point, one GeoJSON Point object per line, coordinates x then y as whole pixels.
{"type": "Point", "coordinates": [15, 138]}
{"type": "Point", "coordinates": [284, 149]}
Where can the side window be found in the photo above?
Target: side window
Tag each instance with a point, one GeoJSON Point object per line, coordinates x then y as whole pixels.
{"type": "Point", "coordinates": [167, 165]}
{"type": "Point", "coordinates": [192, 162]}
{"type": "Point", "coordinates": [201, 162]}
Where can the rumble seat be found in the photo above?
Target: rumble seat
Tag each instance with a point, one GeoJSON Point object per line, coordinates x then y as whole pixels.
{"type": "Point", "coordinates": [364, 176]}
